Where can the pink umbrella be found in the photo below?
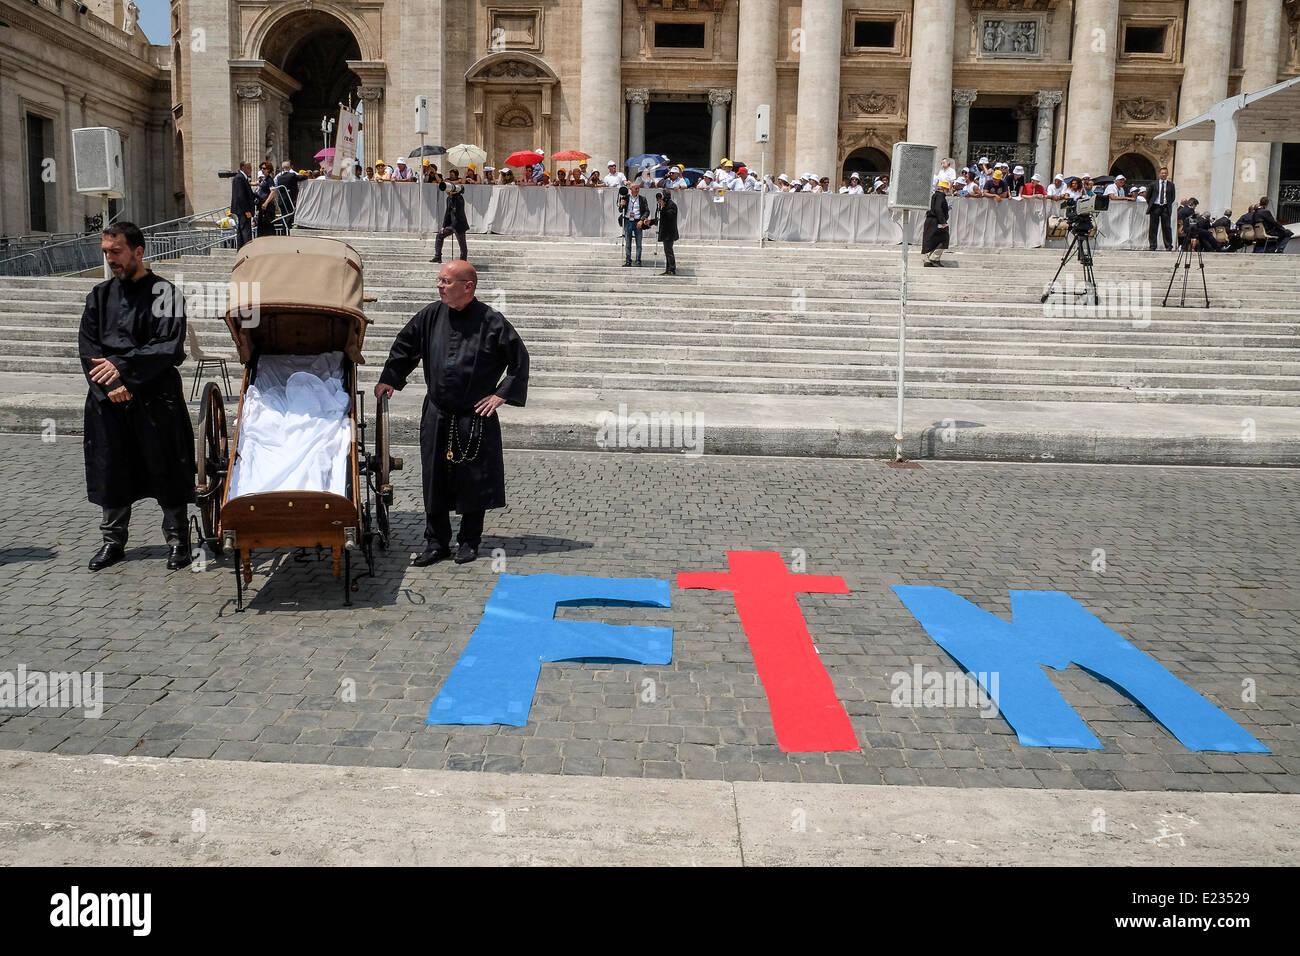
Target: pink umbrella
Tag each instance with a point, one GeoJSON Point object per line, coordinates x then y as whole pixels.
{"type": "Point", "coordinates": [324, 152]}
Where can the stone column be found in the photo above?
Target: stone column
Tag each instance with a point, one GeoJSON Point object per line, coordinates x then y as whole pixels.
{"type": "Point", "coordinates": [929, 103]}
{"type": "Point", "coordinates": [817, 125]}
{"type": "Point", "coordinates": [601, 82]}
{"type": "Point", "coordinates": [637, 100]}
{"type": "Point", "coordinates": [1205, 82]}
{"type": "Point", "coordinates": [1047, 101]}
{"type": "Point", "coordinates": [252, 99]}
{"type": "Point", "coordinates": [755, 72]}
{"type": "Point", "coordinates": [718, 100]}
{"type": "Point", "coordinates": [1092, 88]}
{"type": "Point", "coordinates": [1025, 119]}
{"type": "Point", "coordinates": [1263, 29]}
{"type": "Point", "coordinates": [373, 123]}
{"type": "Point", "coordinates": [961, 101]}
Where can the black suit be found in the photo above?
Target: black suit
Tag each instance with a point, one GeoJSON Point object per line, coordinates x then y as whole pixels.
{"type": "Point", "coordinates": [289, 180]}
{"type": "Point", "coordinates": [243, 207]}
{"type": "Point", "coordinates": [1159, 212]}
{"type": "Point", "coordinates": [1193, 229]}
{"type": "Point", "coordinates": [1274, 229]}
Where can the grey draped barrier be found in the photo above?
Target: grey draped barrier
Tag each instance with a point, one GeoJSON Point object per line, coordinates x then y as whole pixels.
{"type": "Point", "coordinates": [699, 217]}
{"type": "Point", "coordinates": [790, 217]}
{"type": "Point", "coordinates": [988, 224]}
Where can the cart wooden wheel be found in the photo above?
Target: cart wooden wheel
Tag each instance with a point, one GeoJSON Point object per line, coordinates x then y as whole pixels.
{"type": "Point", "coordinates": [385, 464]}
{"type": "Point", "coordinates": [212, 458]}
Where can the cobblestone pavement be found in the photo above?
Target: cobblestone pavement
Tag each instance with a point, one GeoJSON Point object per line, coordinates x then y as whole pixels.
{"type": "Point", "coordinates": [1199, 572]}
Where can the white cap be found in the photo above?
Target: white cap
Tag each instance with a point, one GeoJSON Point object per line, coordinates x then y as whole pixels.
{"type": "Point", "coordinates": [854, 176]}
{"type": "Point", "coordinates": [961, 180]}
{"type": "Point", "coordinates": [708, 174]}
{"type": "Point", "coordinates": [1060, 176]}
{"type": "Point", "coordinates": [1142, 189]}
{"type": "Point", "coordinates": [983, 160]}
{"type": "Point", "coordinates": [1036, 178]}
{"type": "Point", "coordinates": [401, 160]}
{"type": "Point", "coordinates": [489, 169]}
{"type": "Point", "coordinates": [1120, 176]}
{"type": "Point", "coordinates": [1018, 171]}
{"type": "Point", "coordinates": [612, 163]}
{"type": "Point", "coordinates": [783, 177]}
{"type": "Point", "coordinates": [879, 182]}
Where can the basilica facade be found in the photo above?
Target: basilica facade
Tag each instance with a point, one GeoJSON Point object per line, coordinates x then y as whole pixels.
{"type": "Point", "coordinates": [1076, 86]}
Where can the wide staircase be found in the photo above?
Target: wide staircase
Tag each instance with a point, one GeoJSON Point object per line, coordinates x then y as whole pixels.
{"type": "Point", "coordinates": [799, 320]}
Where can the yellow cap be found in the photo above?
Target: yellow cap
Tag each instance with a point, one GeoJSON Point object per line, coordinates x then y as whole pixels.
{"type": "Point", "coordinates": [471, 166]}
{"type": "Point", "coordinates": [426, 162]}
{"type": "Point", "coordinates": [997, 174]}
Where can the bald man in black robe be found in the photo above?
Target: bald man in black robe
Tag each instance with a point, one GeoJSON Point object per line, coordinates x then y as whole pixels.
{"type": "Point", "coordinates": [474, 362]}
{"type": "Point", "coordinates": [138, 440]}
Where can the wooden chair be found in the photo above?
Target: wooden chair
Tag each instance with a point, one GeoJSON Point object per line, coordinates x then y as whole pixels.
{"type": "Point", "coordinates": [206, 360]}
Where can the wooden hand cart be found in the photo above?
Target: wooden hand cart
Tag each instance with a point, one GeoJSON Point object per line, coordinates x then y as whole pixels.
{"type": "Point", "coordinates": [295, 296]}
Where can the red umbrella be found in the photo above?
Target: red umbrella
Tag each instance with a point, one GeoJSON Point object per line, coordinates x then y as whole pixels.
{"type": "Point", "coordinates": [570, 155]}
{"type": "Point", "coordinates": [527, 157]}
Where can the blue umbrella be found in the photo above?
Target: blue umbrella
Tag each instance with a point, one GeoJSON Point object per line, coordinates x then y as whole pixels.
{"type": "Point", "coordinates": [646, 159]}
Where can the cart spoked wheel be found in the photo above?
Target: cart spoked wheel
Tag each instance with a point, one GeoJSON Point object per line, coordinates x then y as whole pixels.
{"type": "Point", "coordinates": [384, 465]}
{"type": "Point", "coordinates": [212, 458]}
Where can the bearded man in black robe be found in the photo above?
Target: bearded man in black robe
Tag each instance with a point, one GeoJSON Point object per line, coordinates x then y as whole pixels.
{"type": "Point", "coordinates": [138, 439]}
{"type": "Point", "coordinates": [474, 362]}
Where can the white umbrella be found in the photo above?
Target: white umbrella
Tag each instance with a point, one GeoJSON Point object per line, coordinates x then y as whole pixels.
{"type": "Point", "coordinates": [466, 155]}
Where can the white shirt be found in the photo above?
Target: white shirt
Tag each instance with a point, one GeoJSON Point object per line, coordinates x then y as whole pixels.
{"type": "Point", "coordinates": [945, 172]}
{"type": "Point", "coordinates": [703, 184]}
{"type": "Point", "coordinates": [678, 183]}
{"type": "Point", "coordinates": [738, 185]}
{"type": "Point", "coordinates": [1114, 190]}
{"type": "Point", "coordinates": [722, 176]}
{"type": "Point", "coordinates": [1054, 191]}
{"type": "Point", "coordinates": [615, 179]}
{"type": "Point", "coordinates": [854, 189]}
{"type": "Point", "coordinates": [1154, 192]}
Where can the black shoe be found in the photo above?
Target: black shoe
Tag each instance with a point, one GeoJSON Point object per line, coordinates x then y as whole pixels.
{"type": "Point", "coordinates": [178, 556]}
{"type": "Point", "coordinates": [628, 263]}
{"type": "Point", "coordinates": [466, 553]}
{"type": "Point", "coordinates": [665, 273]}
{"type": "Point", "coordinates": [109, 554]}
{"type": "Point", "coordinates": [928, 264]}
{"type": "Point", "coordinates": [435, 260]}
{"type": "Point", "coordinates": [431, 556]}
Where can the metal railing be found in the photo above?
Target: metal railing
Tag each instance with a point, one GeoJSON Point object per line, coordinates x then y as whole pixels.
{"type": "Point", "coordinates": [189, 235]}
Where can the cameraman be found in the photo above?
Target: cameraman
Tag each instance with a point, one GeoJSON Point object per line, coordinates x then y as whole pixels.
{"type": "Point", "coordinates": [1197, 227]}
{"type": "Point", "coordinates": [453, 221]}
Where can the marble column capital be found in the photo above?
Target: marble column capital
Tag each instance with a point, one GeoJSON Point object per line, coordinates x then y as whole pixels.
{"type": "Point", "coordinates": [638, 97]}
{"type": "Point", "coordinates": [251, 91]}
{"type": "Point", "coordinates": [964, 98]}
{"type": "Point", "coordinates": [1047, 99]}
{"type": "Point", "coordinates": [719, 97]}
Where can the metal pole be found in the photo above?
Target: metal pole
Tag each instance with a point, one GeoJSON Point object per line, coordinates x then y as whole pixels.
{"type": "Point", "coordinates": [762, 196]}
{"type": "Point", "coordinates": [902, 339]}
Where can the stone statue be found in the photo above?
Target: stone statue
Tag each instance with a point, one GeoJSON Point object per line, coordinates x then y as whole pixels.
{"type": "Point", "coordinates": [130, 16]}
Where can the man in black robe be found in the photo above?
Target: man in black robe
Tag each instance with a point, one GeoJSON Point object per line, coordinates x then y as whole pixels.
{"type": "Point", "coordinates": [138, 439]}
{"type": "Point", "coordinates": [466, 349]}
{"type": "Point", "coordinates": [668, 230]}
{"type": "Point", "coordinates": [935, 238]}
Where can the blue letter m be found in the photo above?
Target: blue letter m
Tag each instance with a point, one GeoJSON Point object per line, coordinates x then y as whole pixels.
{"type": "Point", "coordinates": [1049, 628]}
{"type": "Point", "coordinates": [495, 677]}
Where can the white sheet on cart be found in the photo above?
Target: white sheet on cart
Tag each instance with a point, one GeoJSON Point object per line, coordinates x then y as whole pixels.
{"type": "Point", "coordinates": [294, 431]}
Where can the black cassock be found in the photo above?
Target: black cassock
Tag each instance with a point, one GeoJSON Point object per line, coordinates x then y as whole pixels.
{"type": "Point", "coordinates": [143, 448]}
{"type": "Point", "coordinates": [465, 353]}
{"type": "Point", "coordinates": [934, 237]}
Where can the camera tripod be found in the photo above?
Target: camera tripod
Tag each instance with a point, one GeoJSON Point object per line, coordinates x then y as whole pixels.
{"type": "Point", "coordinates": [1185, 260]}
{"type": "Point", "coordinates": [1081, 247]}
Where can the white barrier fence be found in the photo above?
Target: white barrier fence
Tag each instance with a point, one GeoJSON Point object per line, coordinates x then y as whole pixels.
{"type": "Point", "coordinates": [789, 217]}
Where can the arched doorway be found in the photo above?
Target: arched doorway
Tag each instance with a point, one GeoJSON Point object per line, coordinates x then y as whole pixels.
{"type": "Point", "coordinates": [868, 162]}
{"type": "Point", "coordinates": [313, 48]}
{"type": "Point", "coordinates": [511, 96]}
{"type": "Point", "coordinates": [1138, 170]}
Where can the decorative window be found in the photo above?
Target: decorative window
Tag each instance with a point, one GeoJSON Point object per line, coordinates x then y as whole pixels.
{"type": "Point", "coordinates": [1149, 38]}
{"type": "Point", "coordinates": [669, 34]}
{"type": "Point", "coordinates": [514, 29]}
{"type": "Point", "coordinates": [875, 33]}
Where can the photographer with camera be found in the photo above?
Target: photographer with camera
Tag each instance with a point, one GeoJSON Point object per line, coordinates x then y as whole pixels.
{"type": "Point", "coordinates": [1197, 227]}
{"type": "Point", "coordinates": [453, 221]}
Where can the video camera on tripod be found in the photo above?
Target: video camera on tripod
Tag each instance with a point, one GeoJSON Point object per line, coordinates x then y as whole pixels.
{"type": "Point", "coordinates": [1079, 212]}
